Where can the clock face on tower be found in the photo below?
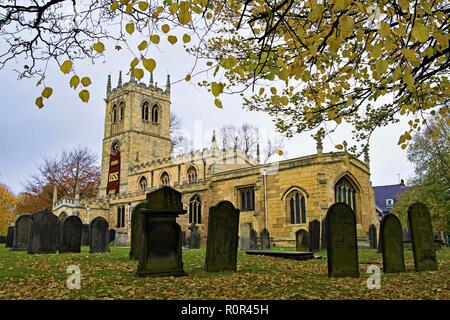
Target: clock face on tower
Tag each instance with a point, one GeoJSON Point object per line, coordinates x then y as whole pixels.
{"type": "Point", "coordinates": [115, 146]}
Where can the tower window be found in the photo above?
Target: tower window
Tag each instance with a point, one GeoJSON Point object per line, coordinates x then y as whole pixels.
{"type": "Point", "coordinates": [145, 110]}
{"type": "Point", "coordinates": [143, 183]}
{"type": "Point", "coordinates": [155, 113]}
{"type": "Point", "coordinates": [165, 180]}
{"type": "Point", "coordinates": [114, 114]}
{"type": "Point", "coordinates": [195, 210]}
{"type": "Point", "coordinates": [192, 174]}
{"type": "Point", "coordinates": [247, 198]}
{"type": "Point", "coordinates": [122, 111]}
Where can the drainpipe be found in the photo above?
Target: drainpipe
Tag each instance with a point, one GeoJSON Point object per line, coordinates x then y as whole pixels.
{"type": "Point", "coordinates": [264, 172]}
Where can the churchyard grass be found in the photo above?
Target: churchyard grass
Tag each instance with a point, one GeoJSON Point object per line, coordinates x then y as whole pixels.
{"type": "Point", "coordinates": [111, 276]}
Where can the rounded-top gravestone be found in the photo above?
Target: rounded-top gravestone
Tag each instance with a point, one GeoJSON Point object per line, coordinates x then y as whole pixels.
{"type": "Point", "coordinates": [392, 244]}
{"type": "Point", "coordinates": [99, 235]}
{"type": "Point", "coordinates": [22, 233]}
{"type": "Point", "coordinates": [194, 237]}
{"type": "Point", "coordinates": [314, 235]}
{"type": "Point", "coordinates": [70, 235]}
{"type": "Point", "coordinates": [265, 239]}
{"type": "Point", "coordinates": [9, 237]}
{"type": "Point", "coordinates": [43, 232]}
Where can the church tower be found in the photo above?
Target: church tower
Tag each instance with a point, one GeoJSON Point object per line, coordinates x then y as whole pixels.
{"type": "Point", "coordinates": [137, 129]}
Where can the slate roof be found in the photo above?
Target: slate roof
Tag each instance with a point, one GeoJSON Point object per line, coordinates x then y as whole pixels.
{"type": "Point", "coordinates": [382, 193]}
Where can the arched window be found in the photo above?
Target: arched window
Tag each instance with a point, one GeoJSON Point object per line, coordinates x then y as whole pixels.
{"type": "Point", "coordinates": [143, 183]}
{"type": "Point", "coordinates": [192, 174]}
{"type": "Point", "coordinates": [344, 191]}
{"type": "Point", "coordinates": [122, 111]}
{"type": "Point", "coordinates": [296, 204]}
{"type": "Point", "coordinates": [120, 217]}
{"type": "Point", "coordinates": [145, 109]}
{"type": "Point", "coordinates": [195, 210]}
{"type": "Point", "coordinates": [165, 180]}
{"type": "Point", "coordinates": [155, 113]}
{"type": "Point", "coordinates": [114, 114]}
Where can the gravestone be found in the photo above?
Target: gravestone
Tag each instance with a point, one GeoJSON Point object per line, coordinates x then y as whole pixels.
{"type": "Point", "coordinates": [43, 232]}
{"type": "Point", "coordinates": [2, 239]}
{"type": "Point", "coordinates": [61, 218]}
{"type": "Point", "coordinates": [22, 233]}
{"type": "Point", "coordinates": [9, 237]}
{"type": "Point", "coordinates": [160, 248]}
{"type": "Point", "coordinates": [302, 240]}
{"type": "Point", "coordinates": [194, 237]}
{"type": "Point", "coordinates": [253, 239]}
{"type": "Point", "coordinates": [424, 250]}
{"type": "Point", "coordinates": [222, 243]}
{"type": "Point", "coordinates": [314, 235]}
{"type": "Point", "coordinates": [265, 239]}
{"type": "Point", "coordinates": [70, 235]}
{"type": "Point", "coordinates": [85, 235]}
{"type": "Point", "coordinates": [373, 236]}
{"type": "Point", "coordinates": [121, 238]}
{"type": "Point", "coordinates": [137, 222]}
{"type": "Point", "coordinates": [244, 237]}
{"type": "Point", "coordinates": [324, 233]}
{"type": "Point", "coordinates": [342, 246]}
{"type": "Point", "coordinates": [392, 246]}
{"type": "Point", "coordinates": [99, 235]}
{"type": "Point", "coordinates": [112, 235]}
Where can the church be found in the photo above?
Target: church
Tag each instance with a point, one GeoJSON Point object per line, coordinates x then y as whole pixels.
{"type": "Point", "coordinates": [282, 196]}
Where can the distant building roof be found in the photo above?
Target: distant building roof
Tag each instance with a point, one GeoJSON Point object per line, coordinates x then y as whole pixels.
{"type": "Point", "coordinates": [386, 196]}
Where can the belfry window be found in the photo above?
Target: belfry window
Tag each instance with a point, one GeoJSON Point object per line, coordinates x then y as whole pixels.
{"type": "Point", "coordinates": [192, 174]}
{"type": "Point", "coordinates": [344, 191]}
{"type": "Point", "coordinates": [296, 205]}
{"type": "Point", "coordinates": [114, 114]}
{"type": "Point", "coordinates": [195, 210]}
{"type": "Point", "coordinates": [247, 197]}
{"type": "Point", "coordinates": [145, 110]}
{"type": "Point", "coordinates": [165, 180]}
{"type": "Point", "coordinates": [155, 113]}
{"type": "Point", "coordinates": [122, 111]}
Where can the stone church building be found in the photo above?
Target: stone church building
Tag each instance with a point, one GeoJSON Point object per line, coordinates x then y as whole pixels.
{"type": "Point", "coordinates": [283, 196]}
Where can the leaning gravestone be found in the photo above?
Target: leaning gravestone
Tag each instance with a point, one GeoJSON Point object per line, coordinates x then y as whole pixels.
{"type": "Point", "coordinates": [22, 233]}
{"type": "Point", "coordinates": [392, 246]}
{"type": "Point", "coordinates": [43, 232]}
{"type": "Point", "coordinates": [265, 239]}
{"type": "Point", "coordinates": [253, 239]}
{"type": "Point", "coordinates": [314, 235]}
{"type": "Point", "coordinates": [342, 246]}
{"type": "Point", "coordinates": [85, 235]}
{"type": "Point", "coordinates": [160, 247]}
{"type": "Point", "coordinates": [194, 237]}
{"type": "Point", "coordinates": [70, 235]}
{"type": "Point", "coordinates": [137, 222]}
{"type": "Point", "coordinates": [244, 237]}
{"type": "Point", "coordinates": [98, 235]}
{"type": "Point", "coordinates": [9, 237]}
{"type": "Point", "coordinates": [302, 240]}
{"type": "Point", "coordinates": [424, 250]}
{"type": "Point", "coordinates": [222, 243]}
{"type": "Point", "coordinates": [373, 236]}
{"type": "Point", "coordinates": [324, 233]}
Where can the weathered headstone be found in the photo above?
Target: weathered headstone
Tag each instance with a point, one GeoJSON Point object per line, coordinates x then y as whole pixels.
{"type": "Point", "coordinates": [137, 224]}
{"type": "Point", "coordinates": [392, 246]}
{"type": "Point", "coordinates": [314, 235]}
{"type": "Point", "coordinates": [253, 239]}
{"type": "Point", "coordinates": [424, 250]}
{"type": "Point", "coordinates": [265, 239]}
{"type": "Point", "coordinates": [342, 246]}
{"type": "Point", "coordinates": [112, 235]}
{"type": "Point", "coordinates": [194, 237]}
{"type": "Point", "coordinates": [160, 248]}
{"type": "Point", "coordinates": [121, 238]}
{"type": "Point", "coordinates": [324, 233]}
{"type": "Point", "coordinates": [244, 236]}
{"type": "Point", "coordinates": [373, 236]}
{"type": "Point", "coordinates": [22, 233]}
{"type": "Point", "coordinates": [85, 235]}
{"type": "Point", "coordinates": [99, 235]}
{"type": "Point", "coordinates": [222, 243]}
{"type": "Point", "coordinates": [43, 232]}
{"type": "Point", "coordinates": [61, 218]}
{"type": "Point", "coordinates": [302, 240]}
{"type": "Point", "coordinates": [70, 235]}
{"type": "Point", "coordinates": [9, 237]}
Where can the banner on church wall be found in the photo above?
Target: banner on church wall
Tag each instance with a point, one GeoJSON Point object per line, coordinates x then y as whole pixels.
{"type": "Point", "coordinates": [114, 174]}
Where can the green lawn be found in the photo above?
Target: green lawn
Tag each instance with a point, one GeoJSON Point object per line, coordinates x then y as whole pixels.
{"type": "Point", "coordinates": [111, 276]}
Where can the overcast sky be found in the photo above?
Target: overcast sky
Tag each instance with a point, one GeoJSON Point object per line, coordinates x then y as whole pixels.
{"type": "Point", "coordinates": [27, 133]}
